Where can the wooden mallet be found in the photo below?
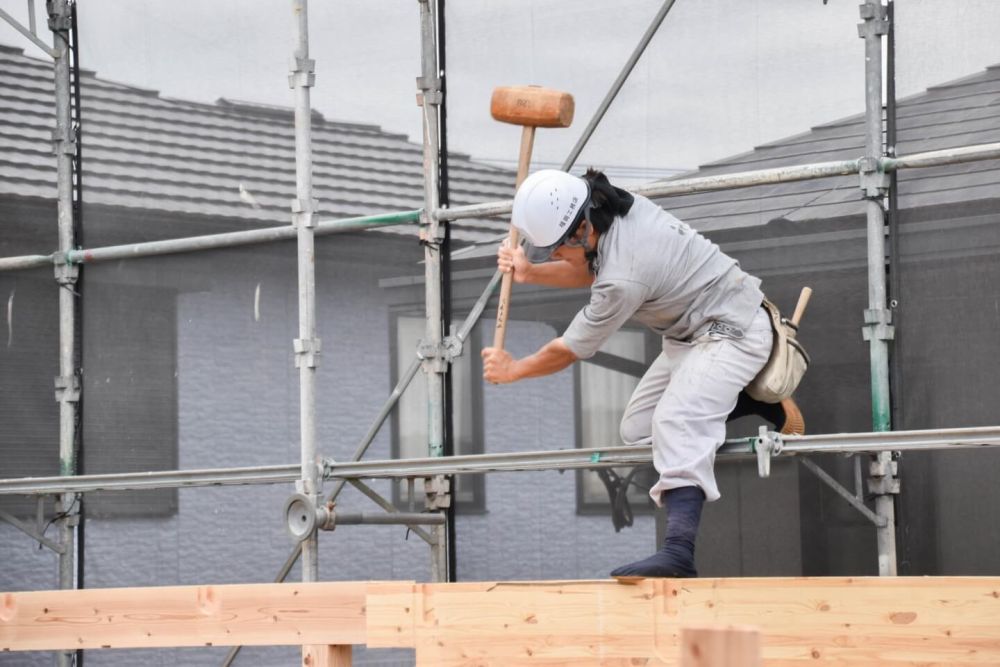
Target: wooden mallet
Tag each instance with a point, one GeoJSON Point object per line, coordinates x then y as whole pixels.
{"type": "Point", "coordinates": [529, 107]}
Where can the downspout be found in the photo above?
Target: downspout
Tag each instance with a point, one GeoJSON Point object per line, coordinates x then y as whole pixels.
{"type": "Point", "coordinates": [446, 312]}
{"type": "Point", "coordinates": [77, 116]}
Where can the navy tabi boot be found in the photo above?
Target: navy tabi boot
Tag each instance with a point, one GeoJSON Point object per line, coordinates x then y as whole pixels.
{"type": "Point", "coordinates": [676, 557]}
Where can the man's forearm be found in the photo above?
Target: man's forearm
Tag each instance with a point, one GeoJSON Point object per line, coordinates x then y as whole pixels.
{"type": "Point", "coordinates": [560, 273]}
{"type": "Point", "coordinates": [551, 358]}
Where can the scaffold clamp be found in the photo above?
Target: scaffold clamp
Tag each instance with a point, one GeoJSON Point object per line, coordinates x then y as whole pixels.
{"type": "Point", "coordinates": [67, 388]}
{"type": "Point", "coordinates": [437, 492]}
{"type": "Point", "coordinates": [766, 444]}
{"type": "Point", "coordinates": [302, 212]}
{"type": "Point", "coordinates": [430, 90]}
{"type": "Point", "coordinates": [307, 351]}
{"type": "Point", "coordinates": [59, 22]}
{"type": "Point", "coordinates": [878, 325]}
{"type": "Point", "coordinates": [872, 178]}
{"type": "Point", "coordinates": [303, 516]}
{"type": "Point", "coordinates": [882, 479]}
{"type": "Point", "coordinates": [66, 271]}
{"type": "Point", "coordinates": [62, 144]}
{"type": "Point", "coordinates": [439, 356]}
{"type": "Point", "coordinates": [303, 72]}
{"type": "Point", "coordinates": [876, 19]}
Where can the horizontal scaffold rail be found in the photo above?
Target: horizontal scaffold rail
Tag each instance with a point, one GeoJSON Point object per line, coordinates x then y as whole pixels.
{"type": "Point", "coordinates": [207, 242]}
{"type": "Point", "coordinates": [497, 208]}
{"type": "Point", "coordinates": [561, 459]}
{"type": "Point", "coordinates": [745, 179]}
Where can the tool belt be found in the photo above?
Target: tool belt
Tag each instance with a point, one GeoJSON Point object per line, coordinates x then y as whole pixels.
{"type": "Point", "coordinates": [787, 364]}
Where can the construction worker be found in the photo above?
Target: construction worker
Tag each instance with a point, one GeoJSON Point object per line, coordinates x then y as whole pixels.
{"type": "Point", "coordinates": [643, 264]}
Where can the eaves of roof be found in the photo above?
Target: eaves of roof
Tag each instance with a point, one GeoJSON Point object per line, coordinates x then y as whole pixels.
{"type": "Point", "coordinates": [147, 152]}
{"type": "Point", "coordinates": [954, 114]}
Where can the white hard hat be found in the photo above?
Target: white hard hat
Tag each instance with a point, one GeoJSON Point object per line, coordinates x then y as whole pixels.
{"type": "Point", "coordinates": [547, 207]}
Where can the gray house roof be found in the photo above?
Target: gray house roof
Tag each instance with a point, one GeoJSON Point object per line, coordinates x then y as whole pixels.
{"type": "Point", "coordinates": [958, 113]}
{"type": "Point", "coordinates": [152, 153]}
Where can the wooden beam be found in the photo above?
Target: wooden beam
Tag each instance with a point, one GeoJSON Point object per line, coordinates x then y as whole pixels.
{"type": "Point", "coordinates": [848, 622]}
{"type": "Point", "coordinates": [889, 621]}
{"type": "Point", "coordinates": [326, 656]}
{"type": "Point", "coordinates": [227, 615]}
{"type": "Point", "coordinates": [720, 647]}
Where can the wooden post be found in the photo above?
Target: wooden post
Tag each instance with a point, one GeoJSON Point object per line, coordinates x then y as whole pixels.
{"type": "Point", "coordinates": [334, 655]}
{"type": "Point", "coordinates": [720, 647]}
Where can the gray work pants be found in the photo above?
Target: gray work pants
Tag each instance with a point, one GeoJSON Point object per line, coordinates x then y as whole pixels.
{"type": "Point", "coordinates": [683, 400]}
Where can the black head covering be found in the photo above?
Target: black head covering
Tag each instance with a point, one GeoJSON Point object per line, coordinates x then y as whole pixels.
{"type": "Point", "coordinates": [606, 201]}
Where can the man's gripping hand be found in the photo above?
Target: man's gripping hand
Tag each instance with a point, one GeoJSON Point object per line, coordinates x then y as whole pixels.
{"type": "Point", "coordinates": [498, 366]}
{"type": "Point", "coordinates": [513, 260]}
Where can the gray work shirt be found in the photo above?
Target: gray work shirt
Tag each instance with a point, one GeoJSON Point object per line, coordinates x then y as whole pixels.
{"type": "Point", "coordinates": [655, 269]}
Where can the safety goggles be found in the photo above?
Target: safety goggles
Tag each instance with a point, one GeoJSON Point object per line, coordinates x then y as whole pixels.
{"type": "Point", "coordinates": [538, 254]}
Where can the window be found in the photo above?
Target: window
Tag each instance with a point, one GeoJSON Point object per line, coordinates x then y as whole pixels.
{"type": "Point", "coordinates": [604, 384]}
{"type": "Point", "coordinates": [410, 424]}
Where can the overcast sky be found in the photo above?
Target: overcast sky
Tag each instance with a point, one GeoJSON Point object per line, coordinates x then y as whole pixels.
{"type": "Point", "coordinates": [720, 77]}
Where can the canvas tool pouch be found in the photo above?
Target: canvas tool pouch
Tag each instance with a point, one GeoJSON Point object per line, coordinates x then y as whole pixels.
{"type": "Point", "coordinates": [787, 364]}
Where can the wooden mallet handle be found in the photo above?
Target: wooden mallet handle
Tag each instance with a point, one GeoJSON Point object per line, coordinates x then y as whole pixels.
{"type": "Point", "coordinates": [529, 107]}
{"type": "Point", "coordinates": [800, 307]}
{"type": "Point", "coordinates": [507, 282]}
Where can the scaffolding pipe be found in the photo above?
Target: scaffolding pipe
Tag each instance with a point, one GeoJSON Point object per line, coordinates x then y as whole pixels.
{"type": "Point", "coordinates": [370, 493]}
{"type": "Point", "coordinates": [735, 180]}
{"type": "Point", "coordinates": [307, 345]}
{"type": "Point", "coordinates": [160, 479]}
{"type": "Point", "coordinates": [561, 459]}
{"type": "Point", "coordinates": [208, 241]}
{"type": "Point", "coordinates": [878, 328]}
{"type": "Point", "coordinates": [391, 519]}
{"type": "Point", "coordinates": [67, 384]}
{"type": "Point", "coordinates": [431, 234]}
{"type": "Point", "coordinates": [771, 176]}
{"type": "Point", "coordinates": [408, 375]}
{"type": "Point", "coordinates": [617, 85]}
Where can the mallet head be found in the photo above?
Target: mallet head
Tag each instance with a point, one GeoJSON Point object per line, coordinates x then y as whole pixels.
{"type": "Point", "coordinates": [532, 106]}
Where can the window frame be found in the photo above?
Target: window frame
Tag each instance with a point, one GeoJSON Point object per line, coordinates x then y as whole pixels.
{"type": "Point", "coordinates": [476, 484]}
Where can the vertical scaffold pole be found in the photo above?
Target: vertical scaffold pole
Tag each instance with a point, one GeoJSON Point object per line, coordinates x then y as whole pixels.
{"type": "Point", "coordinates": [878, 330]}
{"type": "Point", "coordinates": [307, 345]}
{"type": "Point", "coordinates": [435, 363]}
{"type": "Point", "coordinates": [67, 384]}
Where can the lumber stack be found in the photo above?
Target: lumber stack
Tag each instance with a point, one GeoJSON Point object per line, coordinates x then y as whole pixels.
{"type": "Point", "coordinates": [842, 621]}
